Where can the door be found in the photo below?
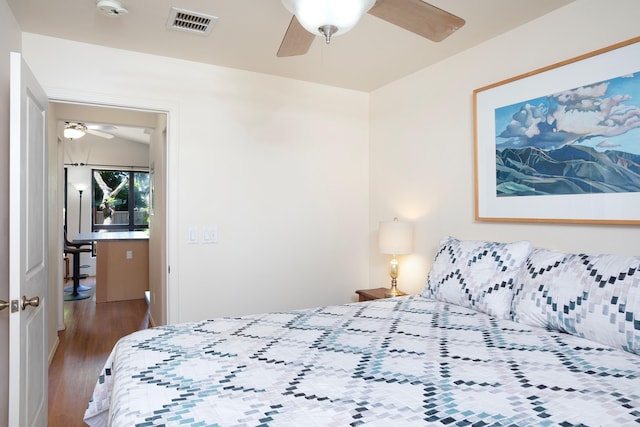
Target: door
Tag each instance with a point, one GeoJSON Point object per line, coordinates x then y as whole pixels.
{"type": "Point", "coordinates": [27, 248]}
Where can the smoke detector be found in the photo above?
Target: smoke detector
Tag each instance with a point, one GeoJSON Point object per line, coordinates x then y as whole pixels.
{"type": "Point", "coordinates": [111, 7]}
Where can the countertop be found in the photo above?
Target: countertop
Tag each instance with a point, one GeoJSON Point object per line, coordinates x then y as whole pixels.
{"type": "Point", "coordinates": [110, 235]}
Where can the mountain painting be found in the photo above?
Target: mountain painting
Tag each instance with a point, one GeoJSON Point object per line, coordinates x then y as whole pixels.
{"type": "Point", "coordinates": [584, 140]}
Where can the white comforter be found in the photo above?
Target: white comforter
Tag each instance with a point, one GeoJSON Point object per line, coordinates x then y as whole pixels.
{"type": "Point", "coordinates": [406, 361]}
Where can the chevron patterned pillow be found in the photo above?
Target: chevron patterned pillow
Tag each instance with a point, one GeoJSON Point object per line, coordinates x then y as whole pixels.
{"type": "Point", "coordinates": [592, 296]}
{"type": "Point", "coordinates": [476, 274]}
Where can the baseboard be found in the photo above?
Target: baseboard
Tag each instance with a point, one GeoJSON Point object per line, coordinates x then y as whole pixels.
{"type": "Point", "coordinates": [52, 353]}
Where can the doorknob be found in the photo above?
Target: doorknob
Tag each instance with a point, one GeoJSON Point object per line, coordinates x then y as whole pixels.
{"type": "Point", "coordinates": [3, 305]}
{"type": "Point", "coordinates": [33, 302]}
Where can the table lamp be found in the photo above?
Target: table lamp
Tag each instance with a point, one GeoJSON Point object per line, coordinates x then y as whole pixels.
{"type": "Point", "coordinates": [395, 238]}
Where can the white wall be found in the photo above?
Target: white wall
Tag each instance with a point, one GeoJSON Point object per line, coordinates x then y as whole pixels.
{"type": "Point", "coordinates": [9, 41]}
{"type": "Point", "coordinates": [422, 165]}
{"type": "Point", "coordinates": [158, 225]}
{"type": "Point", "coordinates": [279, 166]}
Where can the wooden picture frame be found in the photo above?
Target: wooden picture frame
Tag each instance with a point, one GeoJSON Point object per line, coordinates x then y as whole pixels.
{"type": "Point", "coordinates": [562, 143]}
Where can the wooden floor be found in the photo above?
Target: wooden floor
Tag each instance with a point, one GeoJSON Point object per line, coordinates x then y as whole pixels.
{"type": "Point", "coordinates": [91, 332]}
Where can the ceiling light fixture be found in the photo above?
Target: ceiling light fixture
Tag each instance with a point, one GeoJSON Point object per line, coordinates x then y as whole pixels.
{"type": "Point", "coordinates": [74, 130]}
{"type": "Point", "coordinates": [328, 17]}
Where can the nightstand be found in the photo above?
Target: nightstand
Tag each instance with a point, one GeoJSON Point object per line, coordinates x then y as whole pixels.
{"type": "Point", "coordinates": [371, 294]}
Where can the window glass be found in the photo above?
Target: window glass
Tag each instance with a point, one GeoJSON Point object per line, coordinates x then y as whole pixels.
{"type": "Point", "coordinates": [141, 199]}
{"type": "Point", "coordinates": [120, 200]}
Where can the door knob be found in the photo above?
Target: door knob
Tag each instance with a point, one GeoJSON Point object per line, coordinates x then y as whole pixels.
{"type": "Point", "coordinates": [33, 302]}
{"type": "Point", "coordinates": [3, 305]}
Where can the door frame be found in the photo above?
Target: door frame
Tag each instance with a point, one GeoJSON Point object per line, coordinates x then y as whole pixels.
{"type": "Point", "coordinates": [170, 108]}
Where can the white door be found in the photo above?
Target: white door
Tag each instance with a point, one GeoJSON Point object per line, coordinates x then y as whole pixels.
{"type": "Point", "coordinates": [27, 248]}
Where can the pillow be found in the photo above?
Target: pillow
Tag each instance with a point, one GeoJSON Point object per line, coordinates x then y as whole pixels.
{"type": "Point", "coordinates": [591, 296]}
{"type": "Point", "coordinates": [476, 274]}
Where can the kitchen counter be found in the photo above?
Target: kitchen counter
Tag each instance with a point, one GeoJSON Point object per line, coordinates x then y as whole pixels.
{"type": "Point", "coordinates": [122, 264]}
{"type": "Point", "coordinates": [110, 235]}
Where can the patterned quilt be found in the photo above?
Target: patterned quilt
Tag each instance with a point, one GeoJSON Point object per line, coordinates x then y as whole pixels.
{"type": "Point", "coordinates": [406, 361]}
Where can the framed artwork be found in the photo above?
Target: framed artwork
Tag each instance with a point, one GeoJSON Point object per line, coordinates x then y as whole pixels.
{"type": "Point", "coordinates": [562, 143]}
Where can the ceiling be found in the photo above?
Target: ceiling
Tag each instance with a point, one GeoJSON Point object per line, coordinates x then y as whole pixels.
{"type": "Point", "coordinates": [124, 124]}
{"type": "Point", "coordinates": [129, 133]}
{"type": "Point", "coordinates": [248, 33]}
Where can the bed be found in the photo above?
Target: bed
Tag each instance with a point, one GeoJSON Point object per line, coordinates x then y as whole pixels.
{"type": "Point", "coordinates": [461, 358]}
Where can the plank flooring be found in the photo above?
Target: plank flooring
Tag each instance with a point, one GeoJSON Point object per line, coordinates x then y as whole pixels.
{"type": "Point", "coordinates": [91, 332]}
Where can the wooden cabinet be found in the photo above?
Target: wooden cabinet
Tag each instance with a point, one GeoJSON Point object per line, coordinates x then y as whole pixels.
{"type": "Point", "coordinates": [122, 269]}
{"type": "Point", "coordinates": [122, 264]}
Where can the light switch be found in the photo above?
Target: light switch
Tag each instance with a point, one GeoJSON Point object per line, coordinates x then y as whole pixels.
{"type": "Point", "coordinates": [210, 235]}
{"type": "Point", "coordinates": [192, 237]}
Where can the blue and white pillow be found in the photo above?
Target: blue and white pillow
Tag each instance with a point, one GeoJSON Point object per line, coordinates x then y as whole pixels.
{"type": "Point", "coordinates": [476, 274]}
{"type": "Point", "coordinates": [591, 296]}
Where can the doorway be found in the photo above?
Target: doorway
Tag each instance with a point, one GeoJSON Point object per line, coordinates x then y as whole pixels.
{"type": "Point", "coordinates": [78, 158]}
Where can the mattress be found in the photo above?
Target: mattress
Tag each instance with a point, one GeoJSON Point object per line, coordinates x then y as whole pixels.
{"type": "Point", "coordinates": [406, 361]}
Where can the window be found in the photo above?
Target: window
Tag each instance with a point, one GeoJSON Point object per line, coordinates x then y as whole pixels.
{"type": "Point", "coordinates": [120, 200]}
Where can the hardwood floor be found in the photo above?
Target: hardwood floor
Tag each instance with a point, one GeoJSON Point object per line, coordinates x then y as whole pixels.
{"type": "Point", "coordinates": [91, 332]}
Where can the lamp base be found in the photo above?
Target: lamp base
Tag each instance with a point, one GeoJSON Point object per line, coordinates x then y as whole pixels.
{"type": "Point", "coordinates": [393, 291]}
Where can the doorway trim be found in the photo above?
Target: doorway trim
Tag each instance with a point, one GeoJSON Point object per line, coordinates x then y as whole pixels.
{"type": "Point", "coordinates": [170, 108]}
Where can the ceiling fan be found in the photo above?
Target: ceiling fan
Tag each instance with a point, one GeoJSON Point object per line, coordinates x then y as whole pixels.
{"type": "Point", "coordinates": [76, 130]}
{"type": "Point", "coordinates": [308, 20]}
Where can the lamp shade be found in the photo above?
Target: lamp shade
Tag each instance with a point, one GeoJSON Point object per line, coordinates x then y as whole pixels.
{"type": "Point", "coordinates": [395, 237]}
{"type": "Point", "coordinates": [314, 14]}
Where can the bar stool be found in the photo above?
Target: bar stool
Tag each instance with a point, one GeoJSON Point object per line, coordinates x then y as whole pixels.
{"type": "Point", "coordinates": [75, 291]}
{"type": "Point", "coordinates": [75, 249]}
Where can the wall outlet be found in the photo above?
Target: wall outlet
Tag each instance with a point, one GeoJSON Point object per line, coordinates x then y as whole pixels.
{"type": "Point", "coordinates": [129, 254]}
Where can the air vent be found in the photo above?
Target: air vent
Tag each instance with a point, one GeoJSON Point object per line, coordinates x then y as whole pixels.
{"type": "Point", "coordinates": [193, 22]}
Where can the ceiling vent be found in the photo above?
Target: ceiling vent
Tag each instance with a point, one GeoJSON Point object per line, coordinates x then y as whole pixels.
{"type": "Point", "coordinates": [193, 22]}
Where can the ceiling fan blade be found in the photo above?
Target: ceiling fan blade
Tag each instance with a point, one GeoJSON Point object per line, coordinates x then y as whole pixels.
{"type": "Point", "coordinates": [100, 133]}
{"type": "Point", "coordinates": [296, 41]}
{"type": "Point", "coordinates": [418, 17]}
